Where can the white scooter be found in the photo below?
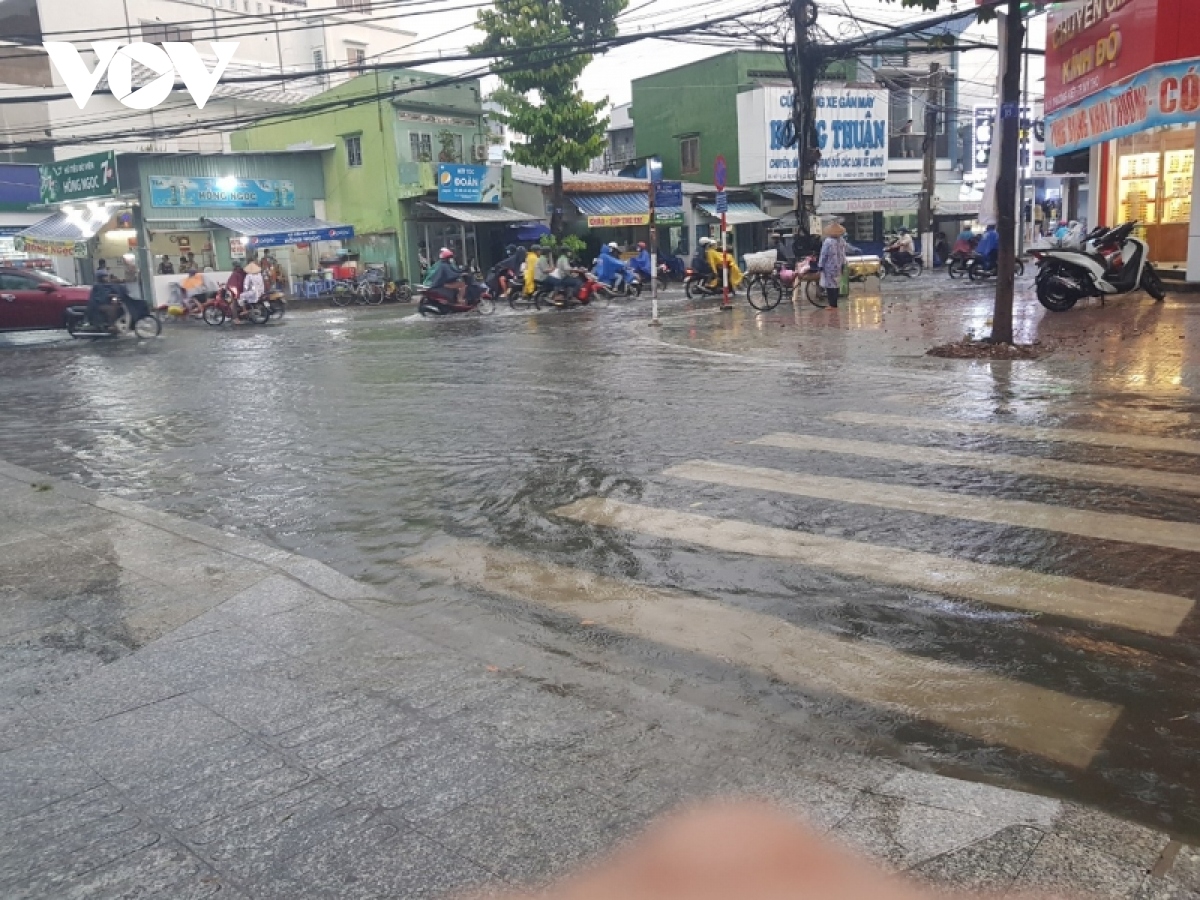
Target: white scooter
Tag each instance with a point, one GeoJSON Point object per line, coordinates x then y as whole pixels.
{"type": "Point", "coordinates": [1110, 262]}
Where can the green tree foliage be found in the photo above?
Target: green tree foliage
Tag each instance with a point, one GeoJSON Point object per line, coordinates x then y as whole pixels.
{"type": "Point", "coordinates": [539, 43]}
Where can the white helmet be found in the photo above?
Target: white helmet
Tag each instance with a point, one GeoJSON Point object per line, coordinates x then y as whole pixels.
{"type": "Point", "coordinates": [705, 241]}
{"type": "Point", "coordinates": [612, 245]}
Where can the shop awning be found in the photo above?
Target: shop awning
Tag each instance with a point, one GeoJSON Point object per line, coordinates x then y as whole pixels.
{"type": "Point", "coordinates": [783, 191]}
{"type": "Point", "coordinates": [838, 199]}
{"type": "Point", "coordinates": [738, 214]}
{"type": "Point", "coordinates": [482, 215]}
{"type": "Point", "coordinates": [279, 231]}
{"type": "Point", "coordinates": [57, 228]}
{"type": "Point", "coordinates": [629, 204]}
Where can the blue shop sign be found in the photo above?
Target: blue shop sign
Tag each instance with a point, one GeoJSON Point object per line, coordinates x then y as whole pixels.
{"type": "Point", "coordinates": [309, 236]}
{"type": "Point", "coordinates": [468, 184]}
{"type": "Point", "coordinates": [228, 192]}
{"type": "Point", "coordinates": [669, 194]}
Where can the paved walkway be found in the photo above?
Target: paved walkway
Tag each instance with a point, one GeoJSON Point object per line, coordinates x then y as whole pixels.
{"type": "Point", "coordinates": [184, 714]}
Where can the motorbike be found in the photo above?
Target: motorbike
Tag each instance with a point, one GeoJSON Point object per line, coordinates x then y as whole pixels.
{"type": "Point", "coordinates": [134, 316]}
{"type": "Point", "coordinates": [442, 302]}
{"type": "Point", "coordinates": [910, 269]}
{"type": "Point", "coordinates": [220, 308]}
{"type": "Point", "coordinates": [979, 270]}
{"type": "Point", "coordinates": [275, 304]}
{"type": "Point", "coordinates": [696, 284]}
{"type": "Point", "coordinates": [591, 292]}
{"type": "Point", "coordinates": [959, 263]}
{"type": "Point", "coordinates": [1110, 262]}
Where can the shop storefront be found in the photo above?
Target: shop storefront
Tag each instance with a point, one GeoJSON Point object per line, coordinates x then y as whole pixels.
{"type": "Point", "coordinates": [466, 217]}
{"type": "Point", "coordinates": [1123, 83]}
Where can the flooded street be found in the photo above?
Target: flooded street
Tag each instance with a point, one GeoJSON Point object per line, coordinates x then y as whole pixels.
{"type": "Point", "coordinates": [987, 569]}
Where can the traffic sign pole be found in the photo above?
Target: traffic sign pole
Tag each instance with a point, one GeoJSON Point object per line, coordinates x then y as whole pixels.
{"type": "Point", "coordinates": [720, 173]}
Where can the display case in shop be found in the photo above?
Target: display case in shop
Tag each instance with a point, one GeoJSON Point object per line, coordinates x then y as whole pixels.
{"type": "Point", "coordinates": [1154, 188]}
{"type": "Point", "coordinates": [1177, 187]}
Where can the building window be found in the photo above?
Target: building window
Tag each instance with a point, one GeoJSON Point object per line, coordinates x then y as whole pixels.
{"type": "Point", "coordinates": [689, 155]}
{"type": "Point", "coordinates": [450, 147]}
{"type": "Point", "coordinates": [353, 151]}
{"type": "Point", "coordinates": [356, 57]}
{"type": "Point", "coordinates": [421, 146]}
{"type": "Point", "coordinates": [157, 32]}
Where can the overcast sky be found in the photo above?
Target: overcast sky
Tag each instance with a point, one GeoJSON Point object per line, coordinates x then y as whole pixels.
{"type": "Point", "coordinates": [610, 75]}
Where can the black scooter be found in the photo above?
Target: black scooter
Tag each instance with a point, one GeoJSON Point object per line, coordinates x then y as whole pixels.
{"type": "Point", "coordinates": [102, 320]}
{"type": "Point", "coordinates": [978, 268]}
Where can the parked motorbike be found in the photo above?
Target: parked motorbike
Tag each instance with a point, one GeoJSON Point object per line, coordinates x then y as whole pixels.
{"type": "Point", "coordinates": [133, 315]}
{"type": "Point", "coordinates": [910, 268]}
{"type": "Point", "coordinates": [1110, 262]}
{"type": "Point", "coordinates": [443, 302]}
{"type": "Point", "coordinates": [979, 269]}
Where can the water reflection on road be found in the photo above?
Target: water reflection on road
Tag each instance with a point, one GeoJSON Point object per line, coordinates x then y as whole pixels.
{"type": "Point", "coordinates": [366, 437]}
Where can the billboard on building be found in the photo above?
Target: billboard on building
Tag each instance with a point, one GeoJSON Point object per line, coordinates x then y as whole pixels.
{"type": "Point", "coordinates": [1116, 67]}
{"type": "Point", "coordinates": [226, 192]}
{"type": "Point", "coordinates": [459, 183]}
{"type": "Point", "coordinates": [1093, 44]}
{"type": "Point", "coordinates": [852, 134]}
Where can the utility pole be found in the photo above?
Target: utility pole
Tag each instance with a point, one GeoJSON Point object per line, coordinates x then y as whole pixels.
{"type": "Point", "coordinates": [803, 15]}
{"type": "Point", "coordinates": [929, 180]}
{"type": "Point", "coordinates": [1006, 184]}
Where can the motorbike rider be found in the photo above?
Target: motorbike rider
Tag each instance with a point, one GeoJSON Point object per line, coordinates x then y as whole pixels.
{"type": "Point", "coordinates": [700, 261]}
{"type": "Point", "coordinates": [104, 302]}
{"type": "Point", "coordinates": [718, 260]}
{"type": "Point", "coordinates": [608, 265]}
{"type": "Point", "coordinates": [989, 247]}
{"type": "Point", "coordinates": [253, 288]}
{"type": "Point", "coordinates": [563, 278]}
{"type": "Point", "coordinates": [446, 277]}
{"type": "Point", "coordinates": [902, 248]}
{"type": "Point", "coordinates": [964, 244]}
{"type": "Point", "coordinates": [640, 264]}
{"type": "Point", "coordinates": [503, 272]}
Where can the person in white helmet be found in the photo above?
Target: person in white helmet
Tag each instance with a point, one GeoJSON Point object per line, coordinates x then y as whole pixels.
{"type": "Point", "coordinates": [700, 261]}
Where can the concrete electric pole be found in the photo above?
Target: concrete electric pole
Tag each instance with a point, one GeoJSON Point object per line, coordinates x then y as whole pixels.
{"type": "Point", "coordinates": [929, 181]}
{"type": "Point", "coordinates": [1006, 183]}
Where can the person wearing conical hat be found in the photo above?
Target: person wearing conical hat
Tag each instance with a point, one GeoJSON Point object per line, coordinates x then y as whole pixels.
{"type": "Point", "coordinates": [832, 261]}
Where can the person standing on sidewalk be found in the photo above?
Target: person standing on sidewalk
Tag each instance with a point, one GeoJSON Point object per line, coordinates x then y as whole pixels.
{"type": "Point", "coordinates": [832, 262]}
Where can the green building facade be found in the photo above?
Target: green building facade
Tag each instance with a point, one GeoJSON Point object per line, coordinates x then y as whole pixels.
{"type": "Point", "coordinates": [687, 116]}
{"type": "Point", "coordinates": [380, 155]}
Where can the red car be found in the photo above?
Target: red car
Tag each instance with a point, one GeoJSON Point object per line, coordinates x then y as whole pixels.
{"type": "Point", "coordinates": [30, 298]}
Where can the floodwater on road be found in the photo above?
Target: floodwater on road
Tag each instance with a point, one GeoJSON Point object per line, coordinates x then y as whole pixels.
{"type": "Point", "coordinates": [962, 564]}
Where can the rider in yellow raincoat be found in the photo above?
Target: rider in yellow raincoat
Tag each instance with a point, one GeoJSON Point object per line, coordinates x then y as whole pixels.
{"type": "Point", "coordinates": [714, 263]}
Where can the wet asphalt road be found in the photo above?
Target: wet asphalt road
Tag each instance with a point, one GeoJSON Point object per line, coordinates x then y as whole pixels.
{"type": "Point", "coordinates": [365, 437]}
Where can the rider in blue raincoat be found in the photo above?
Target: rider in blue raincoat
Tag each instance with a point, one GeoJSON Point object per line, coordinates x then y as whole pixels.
{"type": "Point", "coordinates": [608, 266]}
{"type": "Point", "coordinates": [641, 263]}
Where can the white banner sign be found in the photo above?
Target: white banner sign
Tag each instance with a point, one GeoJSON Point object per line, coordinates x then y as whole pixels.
{"type": "Point", "coordinates": [852, 134]}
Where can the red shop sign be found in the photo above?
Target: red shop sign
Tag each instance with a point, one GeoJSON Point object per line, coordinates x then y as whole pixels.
{"type": "Point", "coordinates": [1094, 44]}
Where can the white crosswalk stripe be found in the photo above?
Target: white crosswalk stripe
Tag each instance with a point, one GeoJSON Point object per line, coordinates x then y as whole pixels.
{"type": "Point", "coordinates": [1026, 432]}
{"type": "Point", "coordinates": [997, 585]}
{"type": "Point", "coordinates": [1057, 726]}
{"type": "Point", "coordinates": [993, 462]}
{"type": "Point", "coordinates": [1019, 513]}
